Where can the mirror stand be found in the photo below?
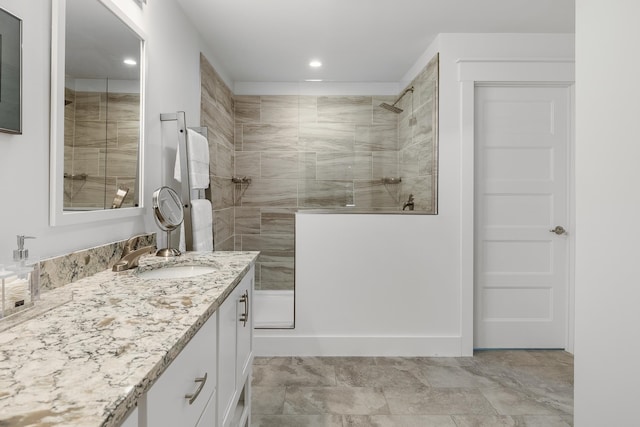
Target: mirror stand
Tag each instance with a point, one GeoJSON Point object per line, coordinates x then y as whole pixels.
{"type": "Point", "coordinates": [169, 214]}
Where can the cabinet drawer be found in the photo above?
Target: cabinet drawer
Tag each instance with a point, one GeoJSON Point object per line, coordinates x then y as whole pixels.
{"type": "Point", "coordinates": [166, 401]}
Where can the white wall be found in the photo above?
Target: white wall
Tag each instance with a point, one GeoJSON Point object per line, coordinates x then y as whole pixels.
{"type": "Point", "coordinates": [607, 347]}
{"type": "Point", "coordinates": [440, 234]}
{"type": "Point", "coordinates": [173, 84]}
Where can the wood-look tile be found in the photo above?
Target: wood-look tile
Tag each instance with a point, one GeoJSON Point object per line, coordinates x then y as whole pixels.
{"type": "Point", "coordinates": [376, 137]}
{"type": "Point", "coordinates": [268, 243]}
{"type": "Point", "coordinates": [128, 134]}
{"type": "Point", "coordinates": [345, 109]}
{"type": "Point", "coordinates": [95, 134]}
{"type": "Point", "coordinates": [277, 275]}
{"type": "Point", "coordinates": [308, 109]}
{"type": "Point", "coordinates": [269, 137]}
{"type": "Point", "coordinates": [381, 115]}
{"type": "Point", "coordinates": [307, 168]}
{"type": "Point", "coordinates": [279, 165]}
{"type": "Point", "coordinates": [247, 163]}
{"type": "Point", "coordinates": [277, 221]}
{"type": "Point", "coordinates": [123, 106]}
{"type": "Point", "coordinates": [334, 400]}
{"type": "Point", "coordinates": [343, 166]}
{"type": "Point", "coordinates": [270, 192]}
{"type": "Point", "coordinates": [224, 161]}
{"type": "Point", "coordinates": [543, 420]}
{"type": "Point", "coordinates": [422, 190]}
{"type": "Point", "coordinates": [327, 137]}
{"type": "Point", "coordinates": [484, 421]}
{"type": "Point", "coordinates": [117, 162]}
{"type": "Point", "coordinates": [247, 109]}
{"type": "Point", "coordinates": [325, 194]}
{"type": "Point", "coordinates": [247, 220]}
{"type": "Point", "coordinates": [222, 224]}
{"type": "Point", "coordinates": [279, 109]}
{"type": "Point", "coordinates": [385, 164]}
{"type": "Point", "coordinates": [375, 194]}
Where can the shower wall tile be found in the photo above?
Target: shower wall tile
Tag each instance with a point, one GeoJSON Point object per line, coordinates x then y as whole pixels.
{"type": "Point", "coordinates": [122, 106]}
{"type": "Point", "coordinates": [277, 275]}
{"type": "Point", "coordinates": [385, 164]}
{"type": "Point", "coordinates": [218, 122]}
{"type": "Point", "coordinates": [279, 109]}
{"type": "Point", "coordinates": [325, 194]}
{"type": "Point", "coordinates": [95, 133]}
{"type": "Point", "coordinates": [220, 193]}
{"type": "Point", "coordinates": [279, 165]}
{"type": "Point", "coordinates": [308, 109]}
{"type": "Point", "coordinates": [277, 221]}
{"type": "Point", "coordinates": [422, 190]}
{"type": "Point", "coordinates": [224, 161]}
{"type": "Point", "coordinates": [269, 137]}
{"type": "Point", "coordinates": [327, 137]}
{"type": "Point", "coordinates": [273, 248]}
{"type": "Point", "coordinates": [86, 160]}
{"type": "Point", "coordinates": [89, 106]}
{"type": "Point", "coordinates": [381, 115]}
{"type": "Point", "coordinates": [248, 163]}
{"type": "Point", "coordinates": [247, 109]}
{"type": "Point", "coordinates": [237, 137]}
{"type": "Point", "coordinates": [270, 192]}
{"type": "Point", "coordinates": [416, 160]}
{"type": "Point", "coordinates": [343, 166]}
{"type": "Point", "coordinates": [345, 109]}
{"type": "Point", "coordinates": [128, 134]}
{"type": "Point", "coordinates": [247, 220]}
{"type": "Point", "coordinates": [376, 194]}
{"type": "Point", "coordinates": [116, 162]}
{"type": "Point", "coordinates": [223, 220]}
{"type": "Point", "coordinates": [307, 165]}
{"type": "Point", "coordinates": [376, 137]}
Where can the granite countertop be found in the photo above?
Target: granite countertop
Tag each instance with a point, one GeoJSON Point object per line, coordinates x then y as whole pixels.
{"type": "Point", "coordinates": [87, 361]}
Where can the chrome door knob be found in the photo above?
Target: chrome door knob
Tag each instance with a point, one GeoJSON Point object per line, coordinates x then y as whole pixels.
{"type": "Point", "coordinates": [558, 230]}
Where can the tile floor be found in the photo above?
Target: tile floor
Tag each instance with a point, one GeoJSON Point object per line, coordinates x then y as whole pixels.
{"type": "Point", "coordinates": [493, 388]}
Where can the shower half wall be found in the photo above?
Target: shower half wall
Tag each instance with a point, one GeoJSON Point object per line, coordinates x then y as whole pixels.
{"type": "Point", "coordinates": [333, 153]}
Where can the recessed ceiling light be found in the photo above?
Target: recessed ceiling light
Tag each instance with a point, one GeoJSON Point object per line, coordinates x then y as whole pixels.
{"type": "Point", "coordinates": [313, 80]}
{"type": "Point", "coordinates": [315, 63]}
{"type": "Point", "coordinates": [130, 61]}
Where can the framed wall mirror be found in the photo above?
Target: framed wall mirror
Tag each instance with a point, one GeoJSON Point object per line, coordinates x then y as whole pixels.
{"type": "Point", "coordinates": [97, 112]}
{"type": "Point", "coordinates": [10, 73]}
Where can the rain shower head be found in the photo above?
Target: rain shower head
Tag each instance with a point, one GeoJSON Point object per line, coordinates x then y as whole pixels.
{"type": "Point", "coordinates": [393, 107]}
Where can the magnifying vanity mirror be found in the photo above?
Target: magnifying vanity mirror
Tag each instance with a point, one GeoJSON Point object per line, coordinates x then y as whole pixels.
{"type": "Point", "coordinates": [169, 214]}
{"type": "Point", "coordinates": [97, 109]}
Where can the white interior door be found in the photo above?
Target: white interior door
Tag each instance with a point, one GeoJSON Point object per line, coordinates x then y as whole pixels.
{"type": "Point", "coordinates": [521, 267]}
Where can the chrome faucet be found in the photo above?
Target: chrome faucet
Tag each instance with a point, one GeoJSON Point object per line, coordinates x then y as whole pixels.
{"type": "Point", "coordinates": [131, 256]}
{"type": "Point", "coordinates": [409, 203]}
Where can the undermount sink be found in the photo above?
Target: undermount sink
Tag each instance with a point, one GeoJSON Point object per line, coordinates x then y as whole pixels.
{"type": "Point", "coordinates": [176, 272]}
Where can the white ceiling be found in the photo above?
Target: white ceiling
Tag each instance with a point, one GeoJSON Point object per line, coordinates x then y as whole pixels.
{"type": "Point", "coordinates": [356, 40]}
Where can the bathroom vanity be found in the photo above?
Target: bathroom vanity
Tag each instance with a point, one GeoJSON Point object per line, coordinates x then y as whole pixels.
{"type": "Point", "coordinates": [134, 350]}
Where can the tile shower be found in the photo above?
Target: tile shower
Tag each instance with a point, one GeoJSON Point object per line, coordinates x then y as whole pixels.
{"type": "Point", "coordinates": [313, 152]}
{"type": "Point", "coordinates": [102, 130]}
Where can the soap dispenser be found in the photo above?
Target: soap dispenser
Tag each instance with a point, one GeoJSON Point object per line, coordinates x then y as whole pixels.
{"type": "Point", "coordinates": [21, 255]}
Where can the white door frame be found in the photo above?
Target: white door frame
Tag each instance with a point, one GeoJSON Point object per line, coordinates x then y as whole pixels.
{"type": "Point", "coordinates": [472, 72]}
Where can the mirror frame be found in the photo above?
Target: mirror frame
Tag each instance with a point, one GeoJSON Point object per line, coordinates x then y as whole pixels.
{"type": "Point", "coordinates": [57, 214]}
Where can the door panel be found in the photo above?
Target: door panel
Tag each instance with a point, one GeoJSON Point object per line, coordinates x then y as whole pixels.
{"type": "Point", "coordinates": [521, 277]}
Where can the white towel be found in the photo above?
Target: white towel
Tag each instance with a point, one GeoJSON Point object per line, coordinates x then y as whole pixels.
{"type": "Point", "coordinates": [202, 225]}
{"type": "Point", "coordinates": [198, 149]}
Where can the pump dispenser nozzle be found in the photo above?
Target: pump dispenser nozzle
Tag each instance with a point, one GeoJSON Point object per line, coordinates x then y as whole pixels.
{"type": "Point", "coordinates": [21, 254]}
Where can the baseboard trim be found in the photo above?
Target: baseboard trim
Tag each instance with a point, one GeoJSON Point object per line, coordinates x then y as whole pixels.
{"type": "Point", "coordinates": [270, 343]}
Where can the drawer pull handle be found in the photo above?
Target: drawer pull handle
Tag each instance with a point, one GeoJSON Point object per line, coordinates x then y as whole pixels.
{"type": "Point", "coordinates": [192, 397]}
{"type": "Point", "coordinates": [244, 317]}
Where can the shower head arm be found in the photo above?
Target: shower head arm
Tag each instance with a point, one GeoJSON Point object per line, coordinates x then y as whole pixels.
{"type": "Point", "coordinates": [409, 89]}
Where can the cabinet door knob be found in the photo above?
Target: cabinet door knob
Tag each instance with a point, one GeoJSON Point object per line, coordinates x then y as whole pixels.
{"type": "Point", "coordinates": [192, 397]}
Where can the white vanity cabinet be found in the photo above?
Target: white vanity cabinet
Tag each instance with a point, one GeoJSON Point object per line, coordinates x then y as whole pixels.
{"type": "Point", "coordinates": [131, 420]}
{"type": "Point", "coordinates": [184, 395]}
{"type": "Point", "coordinates": [235, 355]}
